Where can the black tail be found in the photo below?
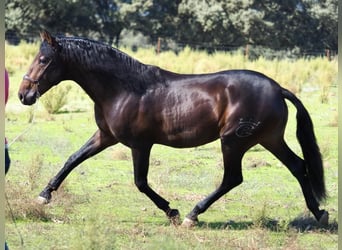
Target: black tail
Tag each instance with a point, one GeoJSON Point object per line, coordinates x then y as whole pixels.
{"type": "Point", "coordinates": [307, 141]}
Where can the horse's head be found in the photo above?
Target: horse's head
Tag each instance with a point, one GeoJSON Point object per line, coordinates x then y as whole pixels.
{"type": "Point", "coordinates": [45, 71]}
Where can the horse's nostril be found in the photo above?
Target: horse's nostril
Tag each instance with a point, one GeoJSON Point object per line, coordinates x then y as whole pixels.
{"type": "Point", "coordinates": [21, 97]}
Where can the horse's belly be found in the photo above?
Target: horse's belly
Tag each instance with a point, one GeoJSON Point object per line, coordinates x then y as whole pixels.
{"type": "Point", "coordinates": [198, 133]}
{"type": "Point", "coordinates": [188, 124]}
{"type": "Point", "coordinates": [184, 141]}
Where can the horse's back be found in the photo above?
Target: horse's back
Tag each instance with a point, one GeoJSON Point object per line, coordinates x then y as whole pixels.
{"type": "Point", "coordinates": [197, 109]}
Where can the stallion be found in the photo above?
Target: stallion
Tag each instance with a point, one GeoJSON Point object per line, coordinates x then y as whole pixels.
{"type": "Point", "coordinates": [140, 105]}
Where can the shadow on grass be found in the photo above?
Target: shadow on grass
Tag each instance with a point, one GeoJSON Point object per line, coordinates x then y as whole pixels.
{"type": "Point", "coordinates": [306, 223]}
{"type": "Point", "coordinates": [76, 111]}
{"type": "Point", "coordinates": [300, 224]}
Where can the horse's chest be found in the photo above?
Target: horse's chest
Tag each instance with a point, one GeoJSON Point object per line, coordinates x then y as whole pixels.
{"type": "Point", "coordinates": [124, 122]}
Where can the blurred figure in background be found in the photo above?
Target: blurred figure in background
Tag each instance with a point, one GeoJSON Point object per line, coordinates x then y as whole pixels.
{"type": "Point", "coordinates": [7, 158]}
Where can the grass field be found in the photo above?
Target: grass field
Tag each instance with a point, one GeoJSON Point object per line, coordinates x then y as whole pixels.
{"type": "Point", "coordinates": [99, 207]}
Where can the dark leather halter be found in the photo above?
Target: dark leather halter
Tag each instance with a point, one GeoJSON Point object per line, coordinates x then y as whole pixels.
{"type": "Point", "coordinates": [27, 78]}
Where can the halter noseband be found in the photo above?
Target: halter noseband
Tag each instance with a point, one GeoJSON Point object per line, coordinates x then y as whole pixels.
{"type": "Point", "coordinates": [26, 77]}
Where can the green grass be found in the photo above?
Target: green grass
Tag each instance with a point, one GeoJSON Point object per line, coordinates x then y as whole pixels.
{"type": "Point", "coordinates": [99, 207]}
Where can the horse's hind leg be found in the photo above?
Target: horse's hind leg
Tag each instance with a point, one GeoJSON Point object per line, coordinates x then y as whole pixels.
{"type": "Point", "coordinates": [297, 167]}
{"type": "Point", "coordinates": [232, 177]}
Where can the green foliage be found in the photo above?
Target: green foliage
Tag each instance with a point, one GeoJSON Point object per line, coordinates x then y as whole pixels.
{"type": "Point", "coordinates": [55, 98]}
{"type": "Point", "coordinates": [271, 24]}
{"type": "Point", "coordinates": [306, 25]}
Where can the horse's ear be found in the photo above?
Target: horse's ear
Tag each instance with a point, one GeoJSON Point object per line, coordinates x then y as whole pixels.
{"type": "Point", "coordinates": [45, 36]}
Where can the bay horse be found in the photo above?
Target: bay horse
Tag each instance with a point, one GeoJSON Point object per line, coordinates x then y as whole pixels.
{"type": "Point", "coordinates": [140, 105]}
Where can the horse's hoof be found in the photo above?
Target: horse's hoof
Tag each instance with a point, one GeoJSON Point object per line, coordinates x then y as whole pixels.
{"type": "Point", "coordinates": [174, 217]}
{"type": "Point", "coordinates": [324, 220]}
{"type": "Point", "coordinates": [188, 223]}
{"type": "Point", "coordinates": [41, 200]}
{"type": "Point", "coordinates": [44, 197]}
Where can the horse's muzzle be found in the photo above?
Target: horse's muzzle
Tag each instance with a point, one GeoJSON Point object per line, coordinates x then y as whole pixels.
{"type": "Point", "coordinates": [28, 98]}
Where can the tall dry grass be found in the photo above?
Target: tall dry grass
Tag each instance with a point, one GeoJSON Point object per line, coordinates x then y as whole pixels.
{"type": "Point", "coordinates": [295, 75]}
{"type": "Point", "coordinates": [292, 74]}
{"type": "Point", "coordinates": [318, 71]}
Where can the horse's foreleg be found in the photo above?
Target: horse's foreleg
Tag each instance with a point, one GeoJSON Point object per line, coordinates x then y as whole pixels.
{"type": "Point", "coordinates": [98, 142]}
{"type": "Point", "coordinates": [232, 177]}
{"type": "Point", "coordinates": [141, 164]}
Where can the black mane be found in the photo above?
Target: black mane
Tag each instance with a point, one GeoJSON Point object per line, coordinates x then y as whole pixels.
{"type": "Point", "coordinates": [96, 56]}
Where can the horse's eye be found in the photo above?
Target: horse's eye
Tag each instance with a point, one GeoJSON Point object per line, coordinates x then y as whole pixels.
{"type": "Point", "coordinates": [43, 60]}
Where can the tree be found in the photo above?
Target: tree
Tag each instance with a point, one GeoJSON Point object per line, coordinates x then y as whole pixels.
{"type": "Point", "coordinates": [275, 24]}
{"type": "Point", "coordinates": [15, 16]}
{"type": "Point", "coordinates": [325, 14]}
{"type": "Point", "coordinates": [24, 17]}
{"type": "Point", "coordinates": [206, 22]}
{"type": "Point", "coordinates": [109, 21]}
{"type": "Point", "coordinates": [232, 23]}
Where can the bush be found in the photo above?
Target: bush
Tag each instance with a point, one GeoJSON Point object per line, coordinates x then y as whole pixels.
{"type": "Point", "coordinates": [55, 98]}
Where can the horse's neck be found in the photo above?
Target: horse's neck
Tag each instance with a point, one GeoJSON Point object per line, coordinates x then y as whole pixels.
{"type": "Point", "coordinates": [88, 80]}
{"type": "Point", "coordinates": [103, 70]}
